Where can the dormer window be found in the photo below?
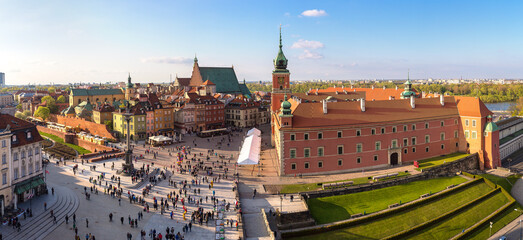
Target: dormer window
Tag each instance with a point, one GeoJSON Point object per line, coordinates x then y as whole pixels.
{"type": "Point", "coordinates": [14, 138]}
{"type": "Point", "coordinates": [28, 135]}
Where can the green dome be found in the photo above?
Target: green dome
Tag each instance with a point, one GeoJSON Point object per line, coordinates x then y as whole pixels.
{"type": "Point", "coordinates": [491, 127]}
{"type": "Point", "coordinates": [286, 105]}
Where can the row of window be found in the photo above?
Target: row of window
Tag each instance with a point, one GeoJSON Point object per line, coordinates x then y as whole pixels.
{"type": "Point", "coordinates": [306, 165]}
{"type": "Point", "coordinates": [22, 155]}
{"type": "Point", "coordinates": [359, 146]}
{"type": "Point", "coordinates": [467, 123]}
{"type": "Point", "coordinates": [23, 172]}
{"type": "Point", "coordinates": [358, 132]}
{"type": "Point", "coordinates": [471, 134]}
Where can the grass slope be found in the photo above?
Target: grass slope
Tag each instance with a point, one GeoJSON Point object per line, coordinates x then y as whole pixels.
{"type": "Point", "coordinates": [55, 138]}
{"type": "Point", "coordinates": [296, 188]}
{"type": "Point", "coordinates": [393, 224]}
{"type": "Point", "coordinates": [501, 181]}
{"type": "Point", "coordinates": [499, 222]}
{"type": "Point", "coordinates": [435, 161]}
{"type": "Point", "coordinates": [336, 208]}
{"type": "Point", "coordinates": [463, 220]}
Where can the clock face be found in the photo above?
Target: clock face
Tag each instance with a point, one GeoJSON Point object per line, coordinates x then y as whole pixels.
{"type": "Point", "coordinates": [281, 80]}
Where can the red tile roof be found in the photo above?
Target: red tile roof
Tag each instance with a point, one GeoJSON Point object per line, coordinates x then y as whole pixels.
{"type": "Point", "coordinates": [370, 94]}
{"type": "Point", "coordinates": [310, 115]}
{"type": "Point", "coordinates": [20, 128]}
{"type": "Point", "coordinates": [472, 107]}
{"type": "Point", "coordinates": [208, 82]}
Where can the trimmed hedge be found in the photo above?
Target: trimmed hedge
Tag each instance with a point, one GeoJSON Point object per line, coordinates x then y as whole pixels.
{"type": "Point", "coordinates": [357, 221]}
{"type": "Point", "coordinates": [483, 222]}
{"type": "Point", "coordinates": [441, 218]}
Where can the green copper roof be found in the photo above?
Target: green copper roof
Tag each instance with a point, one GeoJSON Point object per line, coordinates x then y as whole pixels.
{"type": "Point", "coordinates": [280, 63]}
{"type": "Point", "coordinates": [129, 84]}
{"type": "Point", "coordinates": [407, 94]}
{"type": "Point", "coordinates": [286, 107]}
{"type": "Point", "coordinates": [245, 90]}
{"type": "Point", "coordinates": [491, 127]}
{"type": "Point", "coordinates": [224, 78]}
{"type": "Point", "coordinates": [95, 92]}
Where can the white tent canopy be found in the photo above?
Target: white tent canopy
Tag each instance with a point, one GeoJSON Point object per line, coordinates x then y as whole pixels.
{"type": "Point", "coordinates": [160, 138]}
{"type": "Point", "coordinates": [250, 151]}
{"type": "Point", "coordinates": [254, 131]}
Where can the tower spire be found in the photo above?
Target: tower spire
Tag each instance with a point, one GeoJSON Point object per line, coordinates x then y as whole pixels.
{"type": "Point", "coordinates": [280, 37]}
{"type": "Point", "coordinates": [195, 58]}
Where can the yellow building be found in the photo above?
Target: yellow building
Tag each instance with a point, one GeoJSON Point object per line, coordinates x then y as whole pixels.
{"type": "Point", "coordinates": [95, 95]}
{"type": "Point", "coordinates": [103, 113]}
{"type": "Point", "coordinates": [137, 123]}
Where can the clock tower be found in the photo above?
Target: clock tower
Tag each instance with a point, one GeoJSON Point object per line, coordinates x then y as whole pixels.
{"type": "Point", "coordinates": [280, 80]}
{"type": "Point", "coordinates": [280, 87]}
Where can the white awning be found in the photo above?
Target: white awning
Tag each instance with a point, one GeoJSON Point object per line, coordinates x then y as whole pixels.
{"type": "Point", "coordinates": [160, 138]}
{"type": "Point", "coordinates": [250, 152]}
{"type": "Point", "coordinates": [254, 131]}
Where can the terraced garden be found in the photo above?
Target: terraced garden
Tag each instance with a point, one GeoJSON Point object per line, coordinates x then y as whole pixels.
{"type": "Point", "coordinates": [57, 139]}
{"type": "Point", "coordinates": [336, 208]}
{"type": "Point", "coordinates": [463, 211]}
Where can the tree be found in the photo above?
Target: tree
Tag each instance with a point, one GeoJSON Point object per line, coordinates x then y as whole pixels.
{"type": "Point", "coordinates": [20, 115]}
{"type": "Point", "coordinates": [50, 103]}
{"type": "Point", "coordinates": [26, 113]}
{"type": "Point", "coordinates": [42, 112]}
{"type": "Point", "coordinates": [19, 107]}
{"type": "Point", "coordinates": [61, 99]}
{"type": "Point", "coordinates": [51, 90]}
{"type": "Point", "coordinates": [109, 124]}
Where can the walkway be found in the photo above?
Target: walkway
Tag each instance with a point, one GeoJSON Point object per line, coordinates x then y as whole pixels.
{"type": "Point", "coordinates": [42, 224]}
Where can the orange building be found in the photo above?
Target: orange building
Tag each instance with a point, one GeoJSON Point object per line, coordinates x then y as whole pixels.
{"type": "Point", "coordinates": [337, 134]}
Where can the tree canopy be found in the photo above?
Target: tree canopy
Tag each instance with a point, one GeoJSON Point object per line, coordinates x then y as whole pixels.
{"type": "Point", "coordinates": [61, 99]}
{"type": "Point", "coordinates": [42, 112]}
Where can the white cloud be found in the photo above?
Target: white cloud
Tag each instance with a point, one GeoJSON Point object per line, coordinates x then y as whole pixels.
{"type": "Point", "coordinates": [307, 44]}
{"type": "Point", "coordinates": [168, 60]}
{"type": "Point", "coordinates": [314, 13]}
{"type": "Point", "coordinates": [307, 54]}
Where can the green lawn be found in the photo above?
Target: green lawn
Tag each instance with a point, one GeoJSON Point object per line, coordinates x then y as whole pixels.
{"type": "Point", "coordinates": [401, 221]}
{"type": "Point", "coordinates": [336, 208]}
{"type": "Point", "coordinates": [502, 181]}
{"type": "Point", "coordinates": [463, 220]}
{"type": "Point", "coordinates": [435, 161]}
{"type": "Point", "coordinates": [499, 222]}
{"type": "Point", "coordinates": [55, 138]}
{"type": "Point", "coordinates": [296, 188]}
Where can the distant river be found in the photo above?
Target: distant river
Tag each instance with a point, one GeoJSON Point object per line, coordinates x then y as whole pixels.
{"type": "Point", "coordinates": [501, 106]}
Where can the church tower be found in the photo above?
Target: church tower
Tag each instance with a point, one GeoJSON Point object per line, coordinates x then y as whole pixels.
{"type": "Point", "coordinates": [129, 89]}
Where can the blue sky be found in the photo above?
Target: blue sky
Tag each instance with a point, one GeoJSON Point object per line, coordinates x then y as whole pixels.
{"type": "Point", "coordinates": [99, 41]}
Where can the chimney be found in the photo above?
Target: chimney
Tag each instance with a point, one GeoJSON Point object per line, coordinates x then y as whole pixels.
{"type": "Point", "coordinates": [396, 87]}
{"type": "Point", "coordinates": [412, 103]}
{"type": "Point", "coordinates": [324, 106]}
{"type": "Point", "coordinates": [441, 100]}
{"type": "Point", "coordinates": [372, 86]}
{"type": "Point", "coordinates": [383, 87]}
{"type": "Point", "coordinates": [351, 87]}
{"type": "Point", "coordinates": [362, 104]}
{"type": "Point", "coordinates": [390, 98]}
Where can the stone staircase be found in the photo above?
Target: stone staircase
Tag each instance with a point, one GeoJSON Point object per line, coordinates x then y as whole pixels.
{"type": "Point", "coordinates": [40, 225]}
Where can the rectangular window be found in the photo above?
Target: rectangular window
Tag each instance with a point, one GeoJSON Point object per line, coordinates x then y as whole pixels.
{"type": "Point", "coordinates": [413, 140]}
{"type": "Point", "coordinates": [15, 156]}
{"type": "Point", "coordinates": [293, 166]}
{"type": "Point", "coordinates": [293, 137]}
{"type": "Point", "coordinates": [358, 132]}
{"type": "Point", "coordinates": [4, 159]}
{"type": "Point", "coordinates": [306, 152]}
{"type": "Point", "coordinates": [4, 143]}
{"type": "Point", "coordinates": [466, 133]}
{"type": "Point", "coordinates": [455, 134]}
{"type": "Point", "coordinates": [442, 136]}
{"type": "Point", "coordinates": [378, 145]}
{"type": "Point", "coordinates": [405, 142]}
{"type": "Point", "coordinates": [413, 149]}
{"type": "Point", "coordinates": [359, 147]}
{"type": "Point", "coordinates": [340, 150]}
{"type": "Point", "coordinates": [320, 135]}
{"type": "Point", "coordinates": [306, 136]}
{"type": "Point", "coordinates": [375, 157]}
{"type": "Point", "coordinates": [373, 131]}
{"type": "Point", "coordinates": [466, 122]}
{"type": "Point", "coordinates": [320, 164]}
{"type": "Point", "coordinates": [358, 160]}
{"type": "Point", "coordinates": [473, 123]}
{"type": "Point", "coordinates": [442, 123]}
{"type": "Point", "coordinates": [4, 178]}
{"type": "Point", "coordinates": [442, 146]}
{"type": "Point", "coordinates": [340, 162]}
{"type": "Point", "coordinates": [426, 125]}
{"type": "Point", "coordinates": [339, 134]}
{"type": "Point", "coordinates": [293, 153]}
{"type": "Point", "coordinates": [15, 173]}
{"type": "Point", "coordinates": [320, 151]}
{"type": "Point", "coordinates": [413, 127]}
{"type": "Point", "coordinates": [474, 134]}
{"type": "Point", "coordinates": [394, 129]}
{"type": "Point", "coordinates": [306, 165]}
{"type": "Point", "coordinates": [455, 121]}
{"type": "Point", "coordinates": [405, 128]}
{"type": "Point", "coordinates": [427, 138]}
{"type": "Point", "coordinates": [394, 143]}
{"type": "Point", "coordinates": [406, 150]}
{"type": "Point", "coordinates": [427, 149]}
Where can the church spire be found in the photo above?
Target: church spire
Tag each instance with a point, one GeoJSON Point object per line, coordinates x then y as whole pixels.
{"type": "Point", "coordinates": [280, 63]}
{"type": "Point", "coordinates": [195, 58]}
{"type": "Point", "coordinates": [280, 38]}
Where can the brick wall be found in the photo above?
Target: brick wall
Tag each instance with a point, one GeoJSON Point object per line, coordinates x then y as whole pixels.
{"type": "Point", "coordinates": [82, 143]}
{"type": "Point", "coordinates": [51, 131]}
{"type": "Point", "coordinates": [87, 126]}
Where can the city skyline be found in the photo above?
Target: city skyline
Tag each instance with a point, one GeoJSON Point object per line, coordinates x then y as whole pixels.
{"type": "Point", "coordinates": [64, 42]}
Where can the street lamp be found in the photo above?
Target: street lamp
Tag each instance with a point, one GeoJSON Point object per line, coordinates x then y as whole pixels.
{"type": "Point", "coordinates": [520, 229]}
{"type": "Point", "coordinates": [281, 203]}
{"type": "Point", "coordinates": [490, 234]}
{"type": "Point", "coordinates": [509, 160]}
